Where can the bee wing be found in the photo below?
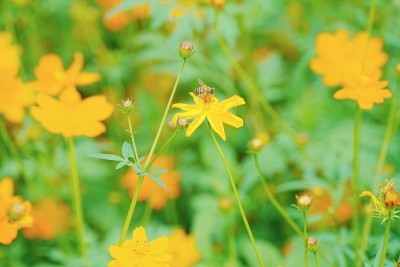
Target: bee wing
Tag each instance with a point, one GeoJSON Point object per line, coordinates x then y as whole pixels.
{"type": "Point", "coordinates": [201, 82]}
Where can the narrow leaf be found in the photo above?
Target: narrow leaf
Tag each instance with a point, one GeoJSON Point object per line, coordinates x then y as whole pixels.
{"type": "Point", "coordinates": [159, 171]}
{"type": "Point", "coordinates": [127, 150]}
{"type": "Point", "coordinates": [105, 156]}
{"type": "Point", "coordinates": [120, 165]}
{"type": "Point", "coordinates": [158, 181]}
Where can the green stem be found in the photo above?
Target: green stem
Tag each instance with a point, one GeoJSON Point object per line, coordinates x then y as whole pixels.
{"type": "Point", "coordinates": [8, 141]}
{"type": "Point", "coordinates": [76, 195]}
{"type": "Point", "coordinates": [378, 174]}
{"type": "Point", "coordinates": [237, 199]}
{"type": "Point", "coordinates": [371, 16]}
{"type": "Point", "coordinates": [147, 164]}
{"type": "Point", "coordinates": [356, 204]}
{"type": "Point", "coordinates": [305, 239]}
{"type": "Point", "coordinates": [164, 146]}
{"type": "Point", "coordinates": [316, 259]}
{"type": "Point", "coordinates": [133, 140]}
{"type": "Point", "coordinates": [254, 90]}
{"type": "Point", "coordinates": [385, 241]}
{"type": "Point", "coordinates": [130, 211]}
{"type": "Point", "coordinates": [273, 200]}
{"type": "Point", "coordinates": [232, 244]}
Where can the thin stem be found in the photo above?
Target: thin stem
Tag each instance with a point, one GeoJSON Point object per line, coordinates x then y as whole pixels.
{"type": "Point", "coordinates": [356, 204]}
{"type": "Point", "coordinates": [232, 244]}
{"type": "Point", "coordinates": [305, 239]}
{"type": "Point", "coordinates": [131, 210]}
{"type": "Point", "coordinates": [385, 241]}
{"type": "Point", "coordinates": [316, 259]}
{"type": "Point", "coordinates": [164, 146]}
{"type": "Point", "coordinates": [254, 90]}
{"type": "Point", "coordinates": [76, 195]}
{"type": "Point", "coordinates": [147, 164]}
{"type": "Point", "coordinates": [273, 200]}
{"type": "Point", "coordinates": [237, 199]}
{"type": "Point", "coordinates": [8, 141]}
{"type": "Point", "coordinates": [371, 16]}
{"type": "Point", "coordinates": [133, 139]}
{"type": "Point", "coordinates": [378, 174]}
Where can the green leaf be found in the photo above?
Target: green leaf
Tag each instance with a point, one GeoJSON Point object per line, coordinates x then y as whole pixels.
{"type": "Point", "coordinates": [158, 181]}
{"type": "Point", "coordinates": [137, 169]}
{"type": "Point", "coordinates": [159, 171]}
{"type": "Point", "coordinates": [105, 156]}
{"type": "Point", "coordinates": [127, 150]}
{"type": "Point", "coordinates": [120, 165]}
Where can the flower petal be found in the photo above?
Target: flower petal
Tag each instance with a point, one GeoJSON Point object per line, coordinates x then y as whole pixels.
{"type": "Point", "coordinates": [195, 123]}
{"type": "Point", "coordinates": [216, 124]}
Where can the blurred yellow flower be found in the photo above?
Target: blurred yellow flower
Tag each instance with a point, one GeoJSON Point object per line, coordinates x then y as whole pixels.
{"type": "Point", "coordinates": [72, 116]}
{"type": "Point", "coordinates": [14, 95]}
{"type": "Point", "coordinates": [120, 20]}
{"type": "Point", "coordinates": [183, 249]}
{"type": "Point", "coordinates": [338, 55]}
{"type": "Point", "coordinates": [211, 109]}
{"type": "Point", "coordinates": [184, 8]}
{"type": "Point", "coordinates": [52, 78]}
{"type": "Point", "coordinates": [150, 190]}
{"type": "Point", "coordinates": [140, 253]}
{"type": "Point", "coordinates": [364, 88]}
{"type": "Point", "coordinates": [14, 212]}
{"type": "Point", "coordinates": [50, 218]}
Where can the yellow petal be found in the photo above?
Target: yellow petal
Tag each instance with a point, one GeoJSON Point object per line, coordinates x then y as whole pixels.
{"type": "Point", "coordinates": [7, 188]}
{"type": "Point", "coordinates": [86, 78]}
{"type": "Point", "coordinates": [232, 120]}
{"type": "Point", "coordinates": [374, 198]}
{"type": "Point", "coordinates": [216, 124]}
{"type": "Point", "coordinates": [195, 123]}
{"type": "Point", "coordinates": [139, 235]}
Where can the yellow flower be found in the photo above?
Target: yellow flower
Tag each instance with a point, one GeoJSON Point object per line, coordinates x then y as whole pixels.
{"type": "Point", "coordinates": [52, 78]}
{"type": "Point", "coordinates": [14, 212]}
{"type": "Point", "coordinates": [150, 190]}
{"type": "Point", "coordinates": [338, 55]}
{"type": "Point", "coordinates": [72, 116]}
{"type": "Point", "coordinates": [364, 88]}
{"type": "Point", "coordinates": [140, 253]}
{"type": "Point", "coordinates": [216, 113]}
{"type": "Point", "coordinates": [14, 95]}
{"type": "Point", "coordinates": [183, 249]}
{"type": "Point", "coordinates": [184, 8]}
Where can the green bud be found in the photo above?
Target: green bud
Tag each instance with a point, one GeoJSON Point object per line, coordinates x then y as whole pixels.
{"type": "Point", "coordinates": [185, 50]}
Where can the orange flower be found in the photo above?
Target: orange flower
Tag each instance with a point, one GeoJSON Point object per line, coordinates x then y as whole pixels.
{"type": "Point", "coordinates": [72, 116]}
{"type": "Point", "coordinates": [364, 88]}
{"type": "Point", "coordinates": [119, 20]}
{"type": "Point", "coordinates": [14, 213]}
{"type": "Point", "coordinates": [14, 96]}
{"type": "Point", "coordinates": [52, 78]}
{"type": "Point", "coordinates": [50, 218]}
{"type": "Point", "coordinates": [337, 55]}
{"type": "Point", "coordinates": [151, 191]}
{"type": "Point", "coordinates": [183, 248]}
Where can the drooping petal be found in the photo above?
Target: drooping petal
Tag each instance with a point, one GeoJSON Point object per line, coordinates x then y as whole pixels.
{"type": "Point", "coordinates": [216, 125]}
{"type": "Point", "coordinates": [86, 78]}
{"type": "Point", "coordinates": [231, 102]}
{"type": "Point", "coordinates": [195, 123]}
{"type": "Point", "coordinates": [232, 120]}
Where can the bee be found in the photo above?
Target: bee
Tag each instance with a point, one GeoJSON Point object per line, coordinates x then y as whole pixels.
{"type": "Point", "coordinates": [204, 92]}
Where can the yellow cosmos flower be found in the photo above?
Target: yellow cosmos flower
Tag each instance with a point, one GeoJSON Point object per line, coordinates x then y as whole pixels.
{"type": "Point", "coordinates": [364, 88]}
{"type": "Point", "coordinates": [52, 78]}
{"type": "Point", "coordinates": [9, 55]}
{"type": "Point", "coordinates": [183, 249]}
{"type": "Point", "coordinates": [140, 253]}
{"type": "Point", "coordinates": [213, 110]}
{"type": "Point", "coordinates": [14, 212]}
{"type": "Point", "coordinates": [338, 55]}
{"type": "Point", "coordinates": [72, 116]}
{"type": "Point", "coordinates": [387, 203]}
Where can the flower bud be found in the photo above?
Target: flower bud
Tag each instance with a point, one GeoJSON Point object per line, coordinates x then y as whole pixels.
{"type": "Point", "coordinates": [182, 123]}
{"type": "Point", "coordinates": [312, 244]}
{"type": "Point", "coordinates": [16, 212]}
{"type": "Point", "coordinates": [218, 4]}
{"type": "Point", "coordinates": [185, 50]}
{"type": "Point", "coordinates": [171, 125]}
{"type": "Point", "coordinates": [257, 143]}
{"type": "Point", "coordinates": [127, 106]}
{"type": "Point", "coordinates": [127, 103]}
{"type": "Point", "coordinates": [225, 204]}
{"type": "Point", "coordinates": [304, 201]}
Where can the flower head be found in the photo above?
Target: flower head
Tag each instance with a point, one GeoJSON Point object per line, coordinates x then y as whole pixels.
{"type": "Point", "coordinates": [185, 50]}
{"type": "Point", "coordinates": [183, 249]}
{"type": "Point", "coordinates": [387, 203]}
{"type": "Point", "coordinates": [312, 244]}
{"type": "Point", "coordinates": [304, 201]}
{"type": "Point", "coordinates": [213, 110]}
{"type": "Point", "coordinates": [14, 212]}
{"type": "Point", "coordinates": [50, 218]}
{"type": "Point", "coordinates": [72, 116]}
{"type": "Point", "coordinates": [52, 78]}
{"type": "Point", "coordinates": [139, 252]}
{"type": "Point", "coordinates": [338, 55]}
{"type": "Point", "coordinates": [365, 88]}
{"type": "Point", "coordinates": [150, 190]}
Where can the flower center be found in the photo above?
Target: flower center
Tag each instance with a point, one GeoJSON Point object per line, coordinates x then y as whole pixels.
{"type": "Point", "coordinates": [16, 212]}
{"type": "Point", "coordinates": [141, 249]}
